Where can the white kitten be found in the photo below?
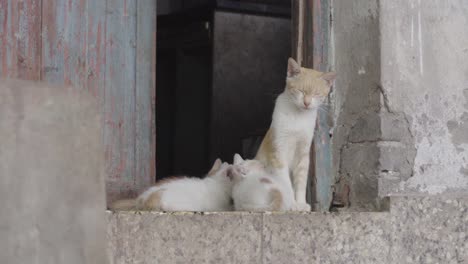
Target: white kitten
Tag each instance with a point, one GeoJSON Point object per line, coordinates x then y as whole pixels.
{"type": "Point", "coordinates": [255, 189]}
{"type": "Point", "coordinates": [212, 193]}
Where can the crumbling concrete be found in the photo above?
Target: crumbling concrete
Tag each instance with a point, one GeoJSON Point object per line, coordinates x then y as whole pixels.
{"type": "Point", "coordinates": [51, 175]}
{"type": "Point", "coordinates": [416, 230]}
{"type": "Point", "coordinates": [356, 102]}
{"type": "Point", "coordinates": [424, 77]}
{"type": "Point", "coordinates": [400, 99]}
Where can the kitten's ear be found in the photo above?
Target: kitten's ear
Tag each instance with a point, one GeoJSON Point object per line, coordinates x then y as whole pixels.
{"type": "Point", "coordinates": [236, 173]}
{"type": "Point", "coordinates": [216, 167]}
{"type": "Point", "coordinates": [237, 159]}
{"type": "Point", "coordinates": [293, 68]}
{"type": "Point", "coordinates": [329, 77]}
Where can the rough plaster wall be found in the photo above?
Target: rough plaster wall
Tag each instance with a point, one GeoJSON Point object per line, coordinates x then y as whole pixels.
{"type": "Point", "coordinates": [356, 97]}
{"type": "Point", "coordinates": [425, 78]}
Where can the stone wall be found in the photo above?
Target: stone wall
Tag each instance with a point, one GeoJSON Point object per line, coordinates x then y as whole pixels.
{"type": "Point", "coordinates": [400, 99]}
{"type": "Point", "coordinates": [356, 102]}
{"type": "Point", "coordinates": [424, 49]}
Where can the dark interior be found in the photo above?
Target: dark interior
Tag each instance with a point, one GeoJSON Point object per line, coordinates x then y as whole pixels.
{"type": "Point", "coordinates": [220, 65]}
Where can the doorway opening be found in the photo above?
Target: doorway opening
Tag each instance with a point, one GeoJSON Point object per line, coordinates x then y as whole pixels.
{"type": "Point", "coordinates": [220, 65]}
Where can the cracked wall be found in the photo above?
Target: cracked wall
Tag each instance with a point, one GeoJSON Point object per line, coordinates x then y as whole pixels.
{"type": "Point", "coordinates": [356, 102]}
{"type": "Point", "coordinates": [424, 47]}
{"type": "Point", "coordinates": [400, 101]}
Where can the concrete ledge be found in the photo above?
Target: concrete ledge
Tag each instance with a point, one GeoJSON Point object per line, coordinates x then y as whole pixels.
{"type": "Point", "coordinates": [416, 230]}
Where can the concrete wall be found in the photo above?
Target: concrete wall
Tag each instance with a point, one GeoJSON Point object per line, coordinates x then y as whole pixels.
{"type": "Point", "coordinates": [400, 100]}
{"type": "Point", "coordinates": [356, 101]}
{"type": "Point", "coordinates": [424, 49]}
{"type": "Point", "coordinates": [51, 175]}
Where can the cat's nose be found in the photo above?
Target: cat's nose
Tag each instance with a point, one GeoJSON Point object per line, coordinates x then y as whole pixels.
{"type": "Point", "coordinates": [306, 104]}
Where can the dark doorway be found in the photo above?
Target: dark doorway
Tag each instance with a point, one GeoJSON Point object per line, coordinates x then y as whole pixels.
{"type": "Point", "coordinates": [220, 65]}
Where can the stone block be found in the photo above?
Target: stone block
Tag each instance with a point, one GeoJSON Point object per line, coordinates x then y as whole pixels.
{"type": "Point", "coordinates": [366, 128]}
{"type": "Point", "coordinates": [430, 229]}
{"type": "Point", "coordinates": [360, 164]}
{"type": "Point", "coordinates": [151, 237]}
{"type": "Point", "coordinates": [396, 157]}
{"type": "Point", "coordinates": [415, 230]}
{"type": "Point", "coordinates": [360, 158]}
{"type": "Point", "coordinates": [394, 127]}
{"type": "Point", "coordinates": [326, 238]}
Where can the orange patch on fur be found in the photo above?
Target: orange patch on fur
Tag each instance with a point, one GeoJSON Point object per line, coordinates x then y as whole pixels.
{"type": "Point", "coordinates": [267, 153]}
{"type": "Point", "coordinates": [153, 202]}
{"type": "Point", "coordinates": [276, 200]}
{"type": "Point", "coordinates": [265, 180]}
{"type": "Point", "coordinates": [312, 82]}
{"type": "Point", "coordinates": [123, 205]}
{"type": "Point", "coordinates": [169, 179]}
{"type": "Point", "coordinates": [216, 166]}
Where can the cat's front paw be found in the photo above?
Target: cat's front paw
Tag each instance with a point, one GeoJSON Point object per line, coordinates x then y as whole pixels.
{"type": "Point", "coordinates": [301, 207]}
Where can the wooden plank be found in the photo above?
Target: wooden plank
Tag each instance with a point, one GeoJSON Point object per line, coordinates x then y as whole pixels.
{"type": "Point", "coordinates": [323, 158]}
{"type": "Point", "coordinates": [64, 42]}
{"type": "Point", "coordinates": [294, 28]}
{"type": "Point", "coordinates": [20, 37]}
{"type": "Point", "coordinates": [145, 94]}
{"type": "Point", "coordinates": [72, 42]}
{"type": "Point", "coordinates": [96, 48]}
{"type": "Point", "coordinates": [119, 99]}
{"type": "Point", "coordinates": [313, 52]}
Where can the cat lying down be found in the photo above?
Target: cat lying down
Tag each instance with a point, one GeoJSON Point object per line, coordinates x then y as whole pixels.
{"type": "Point", "coordinates": [255, 189]}
{"type": "Point", "coordinates": [212, 193]}
{"type": "Point", "coordinates": [247, 183]}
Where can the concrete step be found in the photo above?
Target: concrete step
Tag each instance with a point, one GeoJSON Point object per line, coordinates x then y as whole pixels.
{"type": "Point", "coordinates": [416, 230]}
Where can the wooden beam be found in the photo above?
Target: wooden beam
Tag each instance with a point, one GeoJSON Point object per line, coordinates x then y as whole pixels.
{"type": "Point", "coordinates": [20, 38]}
{"type": "Point", "coordinates": [310, 36]}
{"type": "Point", "coordinates": [322, 147]}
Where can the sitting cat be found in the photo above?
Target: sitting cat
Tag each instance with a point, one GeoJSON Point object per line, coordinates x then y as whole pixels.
{"type": "Point", "coordinates": [212, 193]}
{"type": "Point", "coordinates": [255, 189]}
{"type": "Point", "coordinates": [286, 146]}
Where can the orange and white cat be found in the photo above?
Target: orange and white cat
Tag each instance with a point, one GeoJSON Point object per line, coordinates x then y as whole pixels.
{"type": "Point", "coordinates": [255, 189]}
{"type": "Point", "coordinates": [286, 146]}
{"type": "Point", "coordinates": [212, 193]}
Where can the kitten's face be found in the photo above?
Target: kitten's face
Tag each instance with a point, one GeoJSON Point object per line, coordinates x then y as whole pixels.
{"type": "Point", "coordinates": [219, 170]}
{"type": "Point", "coordinates": [242, 168]}
{"type": "Point", "coordinates": [307, 88]}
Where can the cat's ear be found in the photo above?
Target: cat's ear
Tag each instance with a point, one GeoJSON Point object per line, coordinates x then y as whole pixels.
{"type": "Point", "coordinates": [329, 77]}
{"type": "Point", "coordinates": [237, 159]}
{"type": "Point", "coordinates": [236, 173]}
{"type": "Point", "coordinates": [216, 167]}
{"type": "Point", "coordinates": [293, 68]}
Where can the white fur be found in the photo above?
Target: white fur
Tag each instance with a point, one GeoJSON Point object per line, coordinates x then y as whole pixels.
{"type": "Point", "coordinates": [293, 127]}
{"type": "Point", "coordinates": [212, 193]}
{"type": "Point", "coordinates": [249, 193]}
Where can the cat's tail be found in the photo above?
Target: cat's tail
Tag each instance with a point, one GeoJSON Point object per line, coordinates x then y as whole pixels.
{"type": "Point", "coordinates": [276, 198]}
{"type": "Point", "coordinates": [123, 205]}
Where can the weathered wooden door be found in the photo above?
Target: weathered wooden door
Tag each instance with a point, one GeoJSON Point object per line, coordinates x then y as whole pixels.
{"type": "Point", "coordinates": [106, 47]}
{"type": "Point", "coordinates": [311, 32]}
